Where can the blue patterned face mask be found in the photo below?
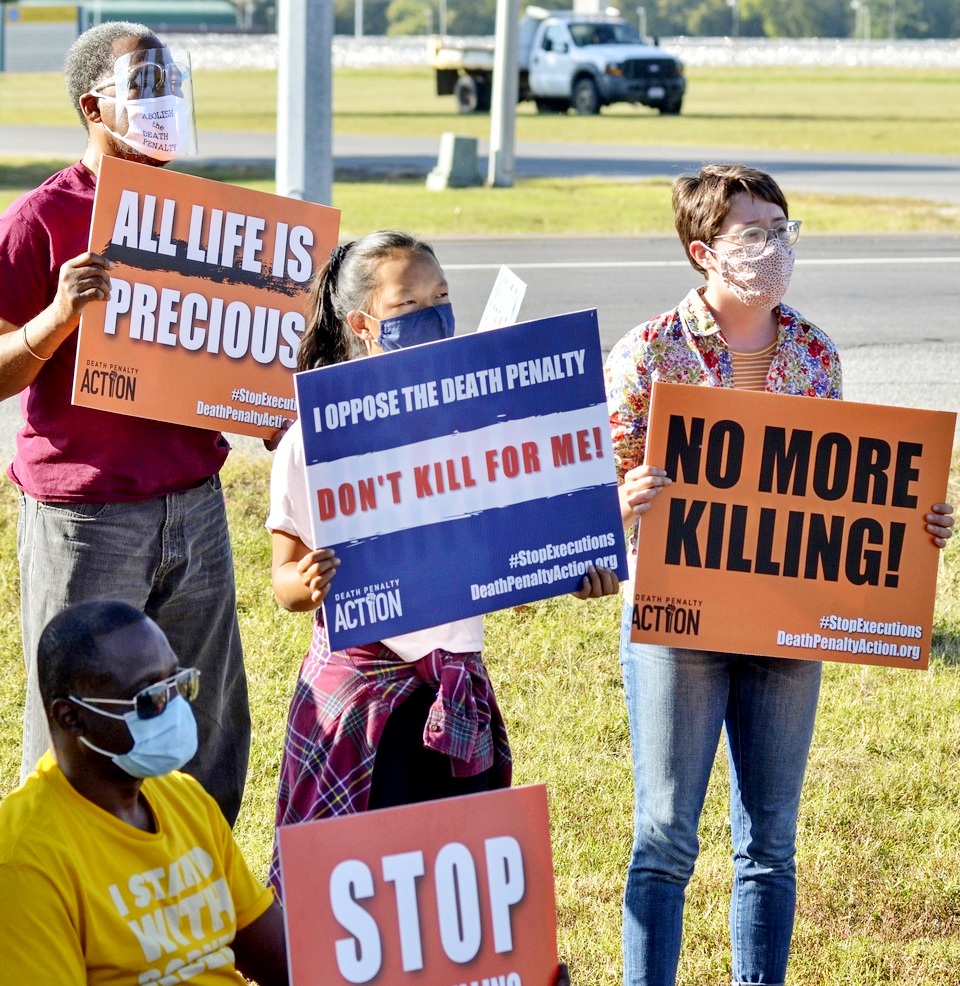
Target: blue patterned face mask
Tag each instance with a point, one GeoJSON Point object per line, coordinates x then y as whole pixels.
{"type": "Point", "coordinates": [160, 744]}
{"type": "Point", "coordinates": [426, 325]}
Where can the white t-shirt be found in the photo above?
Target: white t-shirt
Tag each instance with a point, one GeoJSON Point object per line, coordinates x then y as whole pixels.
{"type": "Point", "coordinates": [290, 513]}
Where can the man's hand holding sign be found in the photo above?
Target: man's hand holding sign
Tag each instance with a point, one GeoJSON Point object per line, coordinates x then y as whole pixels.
{"type": "Point", "coordinates": [121, 477]}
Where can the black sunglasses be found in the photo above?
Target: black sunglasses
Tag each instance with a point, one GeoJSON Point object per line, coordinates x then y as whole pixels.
{"type": "Point", "coordinates": [152, 700]}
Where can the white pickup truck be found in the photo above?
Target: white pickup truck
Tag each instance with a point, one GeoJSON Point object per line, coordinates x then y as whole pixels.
{"type": "Point", "coordinates": [584, 61]}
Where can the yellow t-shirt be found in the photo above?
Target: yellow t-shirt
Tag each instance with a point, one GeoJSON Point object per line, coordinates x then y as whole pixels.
{"type": "Point", "coordinates": [88, 899]}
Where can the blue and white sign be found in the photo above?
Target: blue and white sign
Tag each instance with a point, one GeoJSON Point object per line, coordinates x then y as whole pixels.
{"type": "Point", "coordinates": [461, 476]}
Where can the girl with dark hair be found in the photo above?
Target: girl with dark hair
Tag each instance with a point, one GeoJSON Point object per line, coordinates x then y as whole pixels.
{"type": "Point", "coordinates": [411, 718]}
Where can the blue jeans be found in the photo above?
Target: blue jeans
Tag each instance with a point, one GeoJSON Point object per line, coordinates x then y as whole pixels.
{"type": "Point", "coordinates": [169, 556]}
{"type": "Point", "coordinates": [677, 703]}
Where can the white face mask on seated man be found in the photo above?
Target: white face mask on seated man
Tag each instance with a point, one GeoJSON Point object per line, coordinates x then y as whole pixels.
{"type": "Point", "coordinates": [161, 724]}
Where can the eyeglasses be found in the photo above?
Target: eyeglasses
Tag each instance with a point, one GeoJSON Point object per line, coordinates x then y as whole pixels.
{"type": "Point", "coordinates": [149, 702]}
{"type": "Point", "coordinates": [754, 239]}
{"type": "Point", "coordinates": [146, 79]}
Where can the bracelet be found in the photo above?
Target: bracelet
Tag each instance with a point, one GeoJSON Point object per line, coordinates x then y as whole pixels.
{"type": "Point", "coordinates": [30, 349]}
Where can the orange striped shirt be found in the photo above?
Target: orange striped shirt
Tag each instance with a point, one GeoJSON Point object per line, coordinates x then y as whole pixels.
{"type": "Point", "coordinates": [750, 369]}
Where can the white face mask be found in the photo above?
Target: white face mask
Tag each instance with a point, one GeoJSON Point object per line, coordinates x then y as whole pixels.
{"type": "Point", "coordinates": [160, 744]}
{"type": "Point", "coordinates": [759, 280]}
{"type": "Point", "coordinates": [158, 128]}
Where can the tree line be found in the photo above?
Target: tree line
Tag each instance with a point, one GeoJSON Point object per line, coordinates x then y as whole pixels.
{"type": "Point", "coordinates": [877, 19]}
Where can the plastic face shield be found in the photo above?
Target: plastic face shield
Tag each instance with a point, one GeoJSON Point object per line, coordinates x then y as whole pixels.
{"type": "Point", "coordinates": [153, 73]}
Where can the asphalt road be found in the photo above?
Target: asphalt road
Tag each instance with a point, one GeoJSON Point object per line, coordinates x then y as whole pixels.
{"type": "Point", "coordinates": [889, 302]}
{"type": "Point", "coordinates": [885, 300]}
{"type": "Point", "coordinates": [882, 175]}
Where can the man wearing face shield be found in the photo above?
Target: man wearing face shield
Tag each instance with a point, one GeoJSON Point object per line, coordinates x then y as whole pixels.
{"type": "Point", "coordinates": [152, 99]}
{"type": "Point", "coordinates": [113, 506]}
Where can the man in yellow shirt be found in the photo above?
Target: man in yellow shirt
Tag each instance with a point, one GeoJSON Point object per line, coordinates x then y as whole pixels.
{"type": "Point", "coordinates": [115, 867]}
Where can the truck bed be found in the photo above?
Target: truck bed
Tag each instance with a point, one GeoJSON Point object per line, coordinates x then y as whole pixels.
{"type": "Point", "coordinates": [460, 54]}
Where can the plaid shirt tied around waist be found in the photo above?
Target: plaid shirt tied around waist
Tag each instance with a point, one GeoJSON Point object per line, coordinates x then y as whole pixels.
{"type": "Point", "coordinates": [339, 709]}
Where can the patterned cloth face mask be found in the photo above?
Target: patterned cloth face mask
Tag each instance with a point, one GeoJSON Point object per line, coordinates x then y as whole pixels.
{"type": "Point", "coordinates": [761, 279]}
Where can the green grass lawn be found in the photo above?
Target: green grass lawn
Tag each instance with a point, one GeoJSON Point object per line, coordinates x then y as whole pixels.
{"type": "Point", "coordinates": [879, 857]}
{"type": "Point", "coordinates": [862, 110]}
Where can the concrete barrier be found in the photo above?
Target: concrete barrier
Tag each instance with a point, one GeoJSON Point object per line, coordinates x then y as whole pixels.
{"type": "Point", "coordinates": [456, 165]}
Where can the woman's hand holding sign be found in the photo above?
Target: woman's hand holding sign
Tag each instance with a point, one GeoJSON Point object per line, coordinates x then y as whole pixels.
{"type": "Point", "coordinates": [597, 582]}
{"type": "Point", "coordinates": [316, 569]}
{"type": "Point", "coordinates": [639, 488]}
{"type": "Point", "coordinates": [940, 523]}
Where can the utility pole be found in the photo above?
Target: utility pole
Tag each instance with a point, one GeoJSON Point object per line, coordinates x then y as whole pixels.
{"type": "Point", "coordinates": [305, 100]}
{"type": "Point", "coordinates": [734, 6]}
{"type": "Point", "coordinates": [503, 103]}
{"type": "Point", "coordinates": [861, 19]}
{"type": "Point", "coordinates": [358, 18]}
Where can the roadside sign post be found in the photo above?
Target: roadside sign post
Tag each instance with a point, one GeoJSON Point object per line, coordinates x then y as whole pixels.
{"type": "Point", "coordinates": [304, 100]}
{"type": "Point", "coordinates": [503, 106]}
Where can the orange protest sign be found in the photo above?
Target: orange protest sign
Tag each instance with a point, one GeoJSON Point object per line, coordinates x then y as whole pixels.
{"type": "Point", "coordinates": [207, 303]}
{"type": "Point", "coordinates": [794, 526]}
{"type": "Point", "coordinates": [450, 892]}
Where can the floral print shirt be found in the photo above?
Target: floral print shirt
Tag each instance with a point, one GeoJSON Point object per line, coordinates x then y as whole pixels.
{"type": "Point", "coordinates": [686, 346]}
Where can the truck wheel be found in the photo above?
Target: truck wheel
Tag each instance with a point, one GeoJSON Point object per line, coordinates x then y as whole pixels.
{"type": "Point", "coordinates": [586, 99]}
{"type": "Point", "coordinates": [671, 107]}
{"type": "Point", "coordinates": [466, 96]}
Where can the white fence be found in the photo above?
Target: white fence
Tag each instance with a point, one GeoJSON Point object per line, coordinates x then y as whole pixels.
{"type": "Point", "coordinates": [41, 47]}
{"type": "Point", "coordinates": [260, 51]}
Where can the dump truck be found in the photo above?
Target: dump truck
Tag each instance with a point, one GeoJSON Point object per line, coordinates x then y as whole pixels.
{"type": "Point", "coordinates": [567, 60]}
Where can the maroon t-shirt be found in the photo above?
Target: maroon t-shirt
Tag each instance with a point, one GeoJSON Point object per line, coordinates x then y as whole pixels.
{"type": "Point", "coordinates": [76, 453]}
